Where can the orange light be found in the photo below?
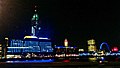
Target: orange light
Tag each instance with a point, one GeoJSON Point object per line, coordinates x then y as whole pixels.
{"type": "Point", "coordinates": [66, 42]}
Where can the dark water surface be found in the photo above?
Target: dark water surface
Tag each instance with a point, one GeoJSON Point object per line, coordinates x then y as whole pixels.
{"type": "Point", "coordinates": [61, 65]}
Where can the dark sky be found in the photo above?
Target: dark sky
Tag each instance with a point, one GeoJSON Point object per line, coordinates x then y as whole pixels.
{"type": "Point", "coordinates": [77, 20]}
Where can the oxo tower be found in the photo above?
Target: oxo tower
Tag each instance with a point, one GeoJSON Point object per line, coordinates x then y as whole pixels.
{"type": "Point", "coordinates": [35, 26]}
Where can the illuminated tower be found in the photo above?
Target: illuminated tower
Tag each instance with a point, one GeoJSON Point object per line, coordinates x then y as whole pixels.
{"type": "Point", "coordinates": [91, 48]}
{"type": "Point", "coordinates": [66, 43]}
{"type": "Point", "coordinates": [35, 24]}
{"type": "Point", "coordinates": [91, 45]}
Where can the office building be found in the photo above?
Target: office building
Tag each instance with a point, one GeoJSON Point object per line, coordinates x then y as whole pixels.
{"type": "Point", "coordinates": [91, 45]}
{"type": "Point", "coordinates": [32, 45]}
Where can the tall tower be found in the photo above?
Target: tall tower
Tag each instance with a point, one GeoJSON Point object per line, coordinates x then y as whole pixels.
{"type": "Point", "coordinates": [35, 26]}
{"type": "Point", "coordinates": [91, 45]}
{"type": "Point", "coordinates": [92, 48]}
{"type": "Point", "coordinates": [66, 43]}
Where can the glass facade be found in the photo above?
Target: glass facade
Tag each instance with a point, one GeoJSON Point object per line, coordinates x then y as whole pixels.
{"type": "Point", "coordinates": [29, 46]}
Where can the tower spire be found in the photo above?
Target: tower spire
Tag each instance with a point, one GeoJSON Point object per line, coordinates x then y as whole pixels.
{"type": "Point", "coordinates": [35, 9]}
{"type": "Point", "coordinates": [35, 23]}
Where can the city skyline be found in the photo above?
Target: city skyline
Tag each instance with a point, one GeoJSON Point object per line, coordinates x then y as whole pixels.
{"type": "Point", "coordinates": [78, 20]}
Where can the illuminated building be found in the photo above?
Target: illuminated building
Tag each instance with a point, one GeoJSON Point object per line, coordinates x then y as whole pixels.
{"type": "Point", "coordinates": [91, 45]}
{"type": "Point", "coordinates": [81, 50]}
{"type": "Point", "coordinates": [91, 48]}
{"type": "Point", "coordinates": [62, 53]}
{"type": "Point", "coordinates": [66, 43]}
{"type": "Point", "coordinates": [32, 45]}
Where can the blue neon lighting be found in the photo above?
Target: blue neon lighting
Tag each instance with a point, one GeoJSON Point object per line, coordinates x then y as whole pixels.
{"type": "Point", "coordinates": [31, 61]}
{"type": "Point", "coordinates": [19, 46]}
{"type": "Point", "coordinates": [105, 44]}
{"type": "Point", "coordinates": [42, 38]}
{"type": "Point", "coordinates": [102, 58]}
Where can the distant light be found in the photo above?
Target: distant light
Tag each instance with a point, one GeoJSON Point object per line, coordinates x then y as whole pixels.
{"type": "Point", "coordinates": [63, 47]}
{"type": "Point", "coordinates": [81, 50]}
{"type": "Point", "coordinates": [91, 41]}
{"type": "Point", "coordinates": [39, 28]}
{"type": "Point", "coordinates": [33, 16]}
{"type": "Point", "coordinates": [66, 60]}
{"type": "Point", "coordinates": [31, 61]}
{"type": "Point", "coordinates": [35, 10]}
{"type": "Point", "coordinates": [30, 37]}
{"type": "Point", "coordinates": [6, 38]}
{"type": "Point", "coordinates": [115, 49]}
{"type": "Point", "coordinates": [43, 38]}
{"type": "Point", "coordinates": [19, 47]}
{"type": "Point", "coordinates": [58, 47]}
{"type": "Point", "coordinates": [100, 61]}
{"type": "Point", "coordinates": [36, 15]}
{"type": "Point", "coordinates": [66, 42]}
{"type": "Point", "coordinates": [102, 58]}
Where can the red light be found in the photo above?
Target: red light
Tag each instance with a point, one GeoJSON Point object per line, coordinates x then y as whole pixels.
{"type": "Point", "coordinates": [66, 61]}
{"type": "Point", "coordinates": [115, 49]}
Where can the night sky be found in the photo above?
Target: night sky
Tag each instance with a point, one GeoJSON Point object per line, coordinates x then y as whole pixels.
{"type": "Point", "coordinates": [76, 20]}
